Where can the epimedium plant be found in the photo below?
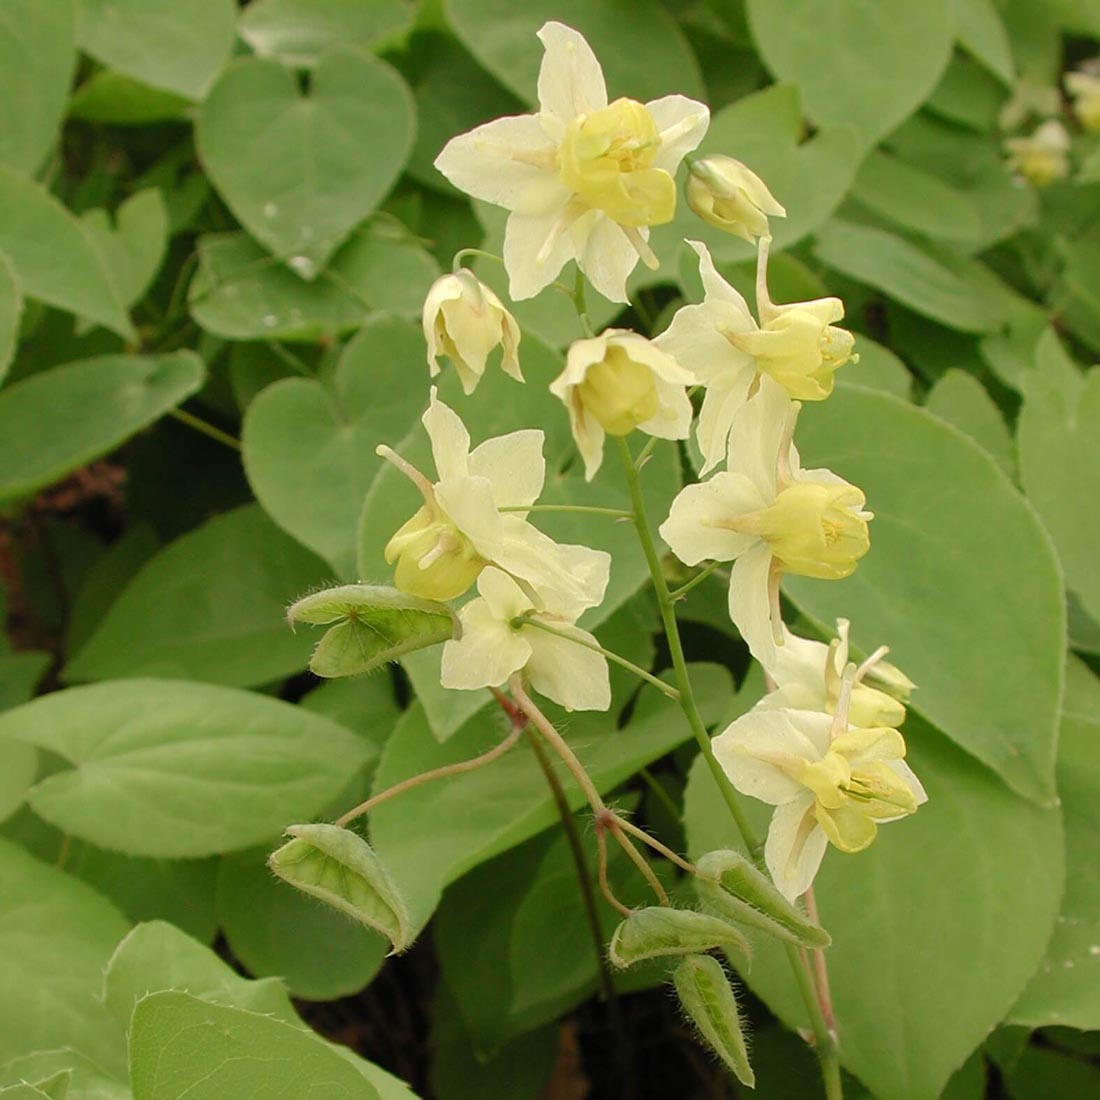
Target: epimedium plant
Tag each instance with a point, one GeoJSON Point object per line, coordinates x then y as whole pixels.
{"type": "Point", "coordinates": [597, 858]}
{"type": "Point", "coordinates": [585, 180]}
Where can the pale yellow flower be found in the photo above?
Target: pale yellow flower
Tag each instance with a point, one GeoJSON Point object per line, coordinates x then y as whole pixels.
{"type": "Point", "coordinates": [619, 381]}
{"type": "Point", "coordinates": [1042, 158]}
{"type": "Point", "coordinates": [768, 516]}
{"type": "Point", "coordinates": [1084, 87]}
{"type": "Point", "coordinates": [501, 636]}
{"type": "Point", "coordinates": [583, 178]}
{"type": "Point", "coordinates": [727, 194]}
{"type": "Point", "coordinates": [465, 321]}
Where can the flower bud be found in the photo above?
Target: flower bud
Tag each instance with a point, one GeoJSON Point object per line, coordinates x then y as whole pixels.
{"type": "Point", "coordinates": [464, 320]}
{"type": "Point", "coordinates": [723, 192]}
{"type": "Point", "coordinates": [1042, 158]}
{"type": "Point", "coordinates": [708, 1000]}
{"type": "Point", "coordinates": [434, 559]}
{"type": "Point", "coordinates": [1084, 86]}
{"type": "Point", "coordinates": [619, 392]}
{"type": "Point", "coordinates": [800, 347]}
{"type": "Point", "coordinates": [814, 529]}
{"type": "Point", "coordinates": [658, 932]}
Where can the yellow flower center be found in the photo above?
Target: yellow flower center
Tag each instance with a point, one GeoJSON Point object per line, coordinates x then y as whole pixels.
{"type": "Point", "coordinates": [799, 350]}
{"type": "Point", "coordinates": [619, 392]}
{"type": "Point", "coordinates": [814, 530]}
{"type": "Point", "coordinates": [434, 559]}
{"type": "Point", "coordinates": [606, 159]}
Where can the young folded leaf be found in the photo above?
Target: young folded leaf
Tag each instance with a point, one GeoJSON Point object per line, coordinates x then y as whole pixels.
{"type": "Point", "coordinates": [657, 931]}
{"type": "Point", "coordinates": [373, 624]}
{"type": "Point", "coordinates": [709, 1002]}
{"type": "Point", "coordinates": [730, 886]}
{"type": "Point", "coordinates": [339, 867]}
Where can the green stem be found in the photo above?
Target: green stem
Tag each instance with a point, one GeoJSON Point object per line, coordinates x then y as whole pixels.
{"type": "Point", "coordinates": [462, 253]}
{"type": "Point", "coordinates": [201, 425]}
{"type": "Point", "coordinates": [584, 509]}
{"type": "Point", "coordinates": [676, 649]}
{"type": "Point", "coordinates": [684, 589]}
{"type": "Point", "coordinates": [660, 685]}
{"type": "Point", "coordinates": [824, 1041]}
{"type": "Point", "coordinates": [580, 305]}
{"type": "Point", "coordinates": [288, 357]}
{"type": "Point", "coordinates": [660, 793]}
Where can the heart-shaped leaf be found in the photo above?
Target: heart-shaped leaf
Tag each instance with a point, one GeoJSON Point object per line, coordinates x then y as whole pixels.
{"type": "Point", "coordinates": [302, 171]}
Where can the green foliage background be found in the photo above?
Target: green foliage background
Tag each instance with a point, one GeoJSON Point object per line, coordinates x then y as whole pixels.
{"type": "Point", "coordinates": [217, 226]}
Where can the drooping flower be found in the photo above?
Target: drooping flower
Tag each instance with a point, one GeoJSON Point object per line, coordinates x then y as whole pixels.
{"type": "Point", "coordinates": [809, 676]}
{"type": "Point", "coordinates": [828, 787]}
{"type": "Point", "coordinates": [1084, 86]}
{"type": "Point", "coordinates": [1042, 158]}
{"type": "Point", "coordinates": [619, 381]}
{"type": "Point", "coordinates": [584, 179]}
{"type": "Point", "coordinates": [475, 515]}
{"type": "Point", "coordinates": [720, 342]}
{"type": "Point", "coordinates": [768, 516]}
{"type": "Point", "coordinates": [464, 320]}
{"type": "Point", "coordinates": [727, 194]}
{"type": "Point", "coordinates": [502, 634]}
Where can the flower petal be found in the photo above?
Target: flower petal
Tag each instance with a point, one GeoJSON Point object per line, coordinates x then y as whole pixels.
{"type": "Point", "coordinates": [696, 528]}
{"type": "Point", "coordinates": [795, 847]}
{"type": "Point", "coordinates": [449, 437]}
{"type": "Point", "coordinates": [567, 579]}
{"type": "Point", "coordinates": [514, 466]}
{"type": "Point", "coordinates": [608, 258]}
{"type": "Point", "coordinates": [754, 750]}
{"type": "Point", "coordinates": [723, 398]}
{"type": "Point", "coordinates": [536, 248]}
{"type": "Point", "coordinates": [749, 605]}
{"type": "Point", "coordinates": [682, 123]}
{"type": "Point", "coordinates": [501, 594]}
{"type": "Point", "coordinates": [509, 162]}
{"type": "Point", "coordinates": [571, 81]}
{"type": "Point", "coordinates": [674, 414]}
{"type": "Point", "coordinates": [572, 675]}
{"type": "Point", "coordinates": [758, 428]}
{"type": "Point", "coordinates": [488, 652]}
{"type": "Point", "coordinates": [718, 290]}
{"type": "Point", "coordinates": [469, 503]}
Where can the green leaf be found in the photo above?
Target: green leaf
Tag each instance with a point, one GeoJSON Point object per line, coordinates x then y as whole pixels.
{"type": "Point", "coordinates": [118, 100]}
{"type": "Point", "coordinates": [374, 625]}
{"type": "Point", "coordinates": [309, 446]}
{"type": "Point", "coordinates": [11, 314]}
{"type": "Point", "coordinates": [63, 418]}
{"type": "Point", "coordinates": [657, 932]}
{"type": "Point", "coordinates": [181, 1046]}
{"type": "Point", "coordinates": [18, 771]}
{"type": "Point", "coordinates": [178, 49]}
{"type": "Point", "coordinates": [901, 950]}
{"type": "Point", "coordinates": [1058, 435]}
{"type": "Point", "coordinates": [982, 33]}
{"type": "Point", "coordinates": [301, 32]}
{"type": "Point", "coordinates": [915, 199]}
{"type": "Point", "coordinates": [35, 229]}
{"type": "Point", "coordinates": [1052, 1074]}
{"type": "Point", "coordinates": [37, 59]}
{"type": "Point", "coordinates": [493, 808]}
{"type": "Point", "coordinates": [157, 955]}
{"type": "Point", "coordinates": [133, 247]}
{"type": "Point", "coordinates": [707, 998]}
{"type": "Point", "coordinates": [316, 950]}
{"type": "Point", "coordinates": [1066, 990]}
{"type": "Point", "coordinates": [809, 178]}
{"type": "Point", "coordinates": [301, 172]}
{"type": "Point", "coordinates": [82, 1077]}
{"type": "Point", "coordinates": [56, 934]}
{"type": "Point", "coordinates": [903, 271]}
{"type": "Point", "coordinates": [879, 369]}
{"type": "Point", "coordinates": [910, 44]}
{"type": "Point", "coordinates": [173, 769]}
{"type": "Point", "coordinates": [960, 399]}
{"type": "Point", "coordinates": [968, 598]}
{"type": "Point", "coordinates": [241, 293]}
{"type": "Point", "coordinates": [19, 676]}
{"type": "Point", "coordinates": [641, 48]}
{"type": "Point", "coordinates": [209, 606]}
{"type": "Point", "coordinates": [340, 868]}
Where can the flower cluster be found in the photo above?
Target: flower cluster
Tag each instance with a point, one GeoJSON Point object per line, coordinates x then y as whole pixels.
{"type": "Point", "coordinates": [584, 179]}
